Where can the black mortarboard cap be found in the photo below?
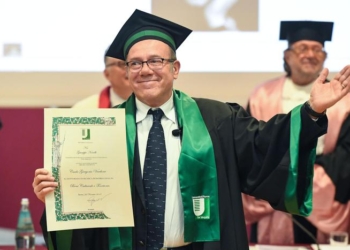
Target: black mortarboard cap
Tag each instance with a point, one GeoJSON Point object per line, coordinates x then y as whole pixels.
{"type": "Point", "coordinates": [294, 31]}
{"type": "Point", "coordinates": [141, 26]}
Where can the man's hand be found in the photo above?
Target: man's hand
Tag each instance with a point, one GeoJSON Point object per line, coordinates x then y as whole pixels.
{"type": "Point", "coordinates": [43, 183]}
{"type": "Point", "coordinates": [325, 95]}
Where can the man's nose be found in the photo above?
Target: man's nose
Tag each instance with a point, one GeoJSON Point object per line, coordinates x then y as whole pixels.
{"type": "Point", "coordinates": [145, 67]}
{"type": "Point", "coordinates": [310, 52]}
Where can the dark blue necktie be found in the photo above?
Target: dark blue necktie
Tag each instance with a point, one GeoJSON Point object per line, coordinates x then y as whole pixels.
{"type": "Point", "coordinates": [154, 182]}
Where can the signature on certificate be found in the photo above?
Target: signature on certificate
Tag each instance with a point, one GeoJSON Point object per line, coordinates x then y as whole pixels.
{"type": "Point", "coordinates": [92, 200]}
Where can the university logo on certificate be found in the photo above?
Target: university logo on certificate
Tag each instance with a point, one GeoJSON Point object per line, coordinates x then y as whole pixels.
{"type": "Point", "coordinates": [85, 151]}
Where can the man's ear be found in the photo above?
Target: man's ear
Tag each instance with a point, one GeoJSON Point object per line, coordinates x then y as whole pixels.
{"type": "Point", "coordinates": [176, 69]}
{"type": "Point", "coordinates": [286, 54]}
{"type": "Point", "coordinates": [106, 73]}
{"type": "Point", "coordinates": [127, 73]}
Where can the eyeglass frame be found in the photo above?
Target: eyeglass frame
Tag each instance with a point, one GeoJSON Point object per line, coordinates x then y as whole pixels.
{"type": "Point", "coordinates": [303, 49]}
{"type": "Point", "coordinates": [164, 60]}
{"type": "Point", "coordinates": [120, 64]}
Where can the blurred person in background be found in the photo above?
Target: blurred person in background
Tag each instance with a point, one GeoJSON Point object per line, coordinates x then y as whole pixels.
{"type": "Point", "coordinates": [116, 93]}
{"type": "Point", "coordinates": [303, 61]}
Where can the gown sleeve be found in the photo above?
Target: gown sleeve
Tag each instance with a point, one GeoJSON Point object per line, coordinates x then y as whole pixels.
{"type": "Point", "coordinates": [337, 164]}
{"type": "Point", "coordinates": [278, 153]}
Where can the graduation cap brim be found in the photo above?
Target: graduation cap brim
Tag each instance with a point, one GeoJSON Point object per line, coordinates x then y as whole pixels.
{"type": "Point", "coordinates": [294, 31]}
{"type": "Point", "coordinates": [141, 26]}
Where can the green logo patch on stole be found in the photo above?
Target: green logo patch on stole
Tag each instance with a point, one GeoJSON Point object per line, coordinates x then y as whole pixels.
{"type": "Point", "coordinates": [201, 207]}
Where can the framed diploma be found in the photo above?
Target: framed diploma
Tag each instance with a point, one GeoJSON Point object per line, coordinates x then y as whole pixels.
{"type": "Point", "coordinates": [85, 151]}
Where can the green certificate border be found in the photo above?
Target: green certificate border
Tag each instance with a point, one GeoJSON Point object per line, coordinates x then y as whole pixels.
{"type": "Point", "coordinates": [56, 123]}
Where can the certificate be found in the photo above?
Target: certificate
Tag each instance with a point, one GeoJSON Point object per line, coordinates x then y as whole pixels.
{"type": "Point", "coordinates": [85, 151]}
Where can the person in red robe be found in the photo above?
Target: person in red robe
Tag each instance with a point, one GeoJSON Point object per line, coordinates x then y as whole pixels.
{"type": "Point", "coordinates": [115, 93]}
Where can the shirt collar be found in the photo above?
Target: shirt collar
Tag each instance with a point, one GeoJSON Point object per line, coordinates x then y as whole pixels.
{"type": "Point", "coordinates": [114, 98]}
{"type": "Point", "coordinates": [167, 108]}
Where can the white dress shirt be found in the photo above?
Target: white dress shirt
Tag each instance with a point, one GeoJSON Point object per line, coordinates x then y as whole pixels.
{"type": "Point", "coordinates": [174, 215]}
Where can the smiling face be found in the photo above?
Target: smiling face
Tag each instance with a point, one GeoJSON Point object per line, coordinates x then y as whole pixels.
{"type": "Point", "coordinates": [152, 87]}
{"type": "Point", "coordinates": [305, 59]}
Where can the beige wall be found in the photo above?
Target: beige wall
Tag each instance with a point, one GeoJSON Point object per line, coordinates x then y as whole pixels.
{"type": "Point", "coordinates": [64, 89]}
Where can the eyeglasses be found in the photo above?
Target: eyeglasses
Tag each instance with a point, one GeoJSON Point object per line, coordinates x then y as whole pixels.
{"type": "Point", "coordinates": [118, 64]}
{"type": "Point", "coordinates": [153, 64]}
{"type": "Point", "coordinates": [317, 51]}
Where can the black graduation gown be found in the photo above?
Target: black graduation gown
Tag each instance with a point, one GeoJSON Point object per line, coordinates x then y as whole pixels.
{"type": "Point", "coordinates": [251, 157]}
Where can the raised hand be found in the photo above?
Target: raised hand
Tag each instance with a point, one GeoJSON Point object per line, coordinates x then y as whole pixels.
{"type": "Point", "coordinates": [324, 95]}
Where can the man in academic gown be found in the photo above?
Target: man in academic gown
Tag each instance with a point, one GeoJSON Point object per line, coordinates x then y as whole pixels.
{"type": "Point", "coordinates": [303, 62]}
{"type": "Point", "coordinates": [215, 152]}
{"type": "Point", "coordinates": [115, 93]}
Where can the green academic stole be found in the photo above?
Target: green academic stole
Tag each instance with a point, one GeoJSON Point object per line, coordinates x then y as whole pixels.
{"type": "Point", "coordinates": [197, 177]}
{"type": "Point", "coordinates": [291, 202]}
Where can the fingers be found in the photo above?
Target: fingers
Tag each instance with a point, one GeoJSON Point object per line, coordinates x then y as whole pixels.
{"type": "Point", "coordinates": [343, 74]}
{"type": "Point", "coordinates": [41, 174]}
{"type": "Point", "coordinates": [323, 76]}
{"type": "Point", "coordinates": [345, 87]}
{"type": "Point", "coordinates": [43, 183]}
{"type": "Point", "coordinates": [345, 69]}
{"type": "Point", "coordinates": [344, 78]}
{"type": "Point", "coordinates": [346, 75]}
